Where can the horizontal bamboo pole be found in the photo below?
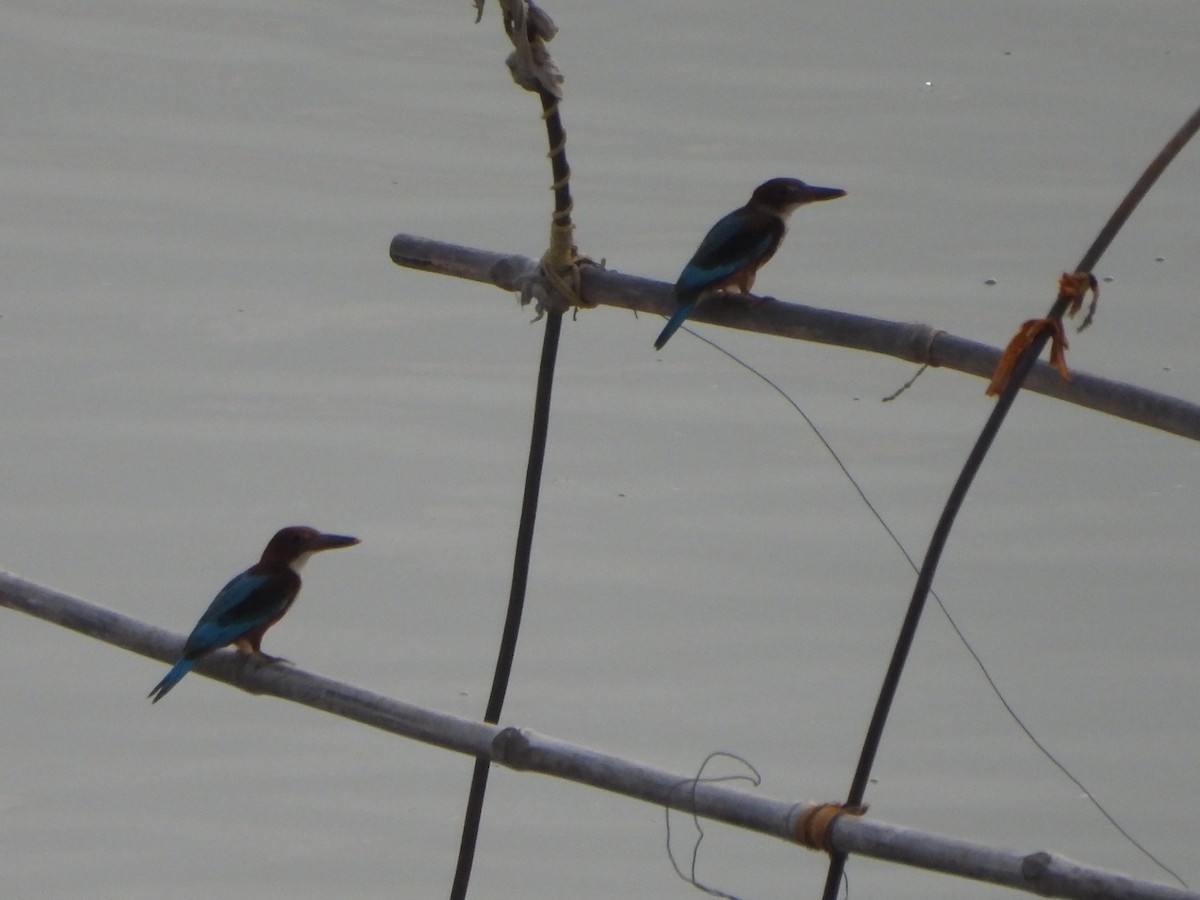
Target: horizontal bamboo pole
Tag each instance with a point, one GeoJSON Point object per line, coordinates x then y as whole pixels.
{"type": "Point", "coordinates": [522, 749]}
{"type": "Point", "coordinates": [911, 342]}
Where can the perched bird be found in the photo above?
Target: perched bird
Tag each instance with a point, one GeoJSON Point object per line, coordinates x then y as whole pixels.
{"type": "Point", "coordinates": [739, 245]}
{"type": "Point", "coordinates": [253, 601]}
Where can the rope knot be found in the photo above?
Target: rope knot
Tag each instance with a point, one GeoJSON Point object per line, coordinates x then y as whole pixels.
{"type": "Point", "coordinates": [814, 824]}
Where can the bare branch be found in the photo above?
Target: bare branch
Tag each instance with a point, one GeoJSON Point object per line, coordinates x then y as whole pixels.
{"type": "Point", "coordinates": [524, 750]}
{"type": "Point", "coordinates": [921, 344]}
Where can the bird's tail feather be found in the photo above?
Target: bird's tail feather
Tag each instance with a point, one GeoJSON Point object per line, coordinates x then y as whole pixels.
{"type": "Point", "coordinates": [172, 678]}
{"type": "Point", "coordinates": [673, 324]}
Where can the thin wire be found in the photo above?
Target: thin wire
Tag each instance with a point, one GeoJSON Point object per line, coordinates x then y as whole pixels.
{"type": "Point", "coordinates": [754, 778]}
{"type": "Point", "coordinates": [946, 612]}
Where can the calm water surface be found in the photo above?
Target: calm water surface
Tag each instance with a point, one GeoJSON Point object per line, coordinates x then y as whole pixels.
{"type": "Point", "coordinates": [202, 339]}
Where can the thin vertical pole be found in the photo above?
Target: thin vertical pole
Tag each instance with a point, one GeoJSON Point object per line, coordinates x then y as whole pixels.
{"type": "Point", "coordinates": [516, 598]}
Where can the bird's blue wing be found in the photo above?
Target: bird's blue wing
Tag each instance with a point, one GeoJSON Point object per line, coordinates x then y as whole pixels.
{"type": "Point", "coordinates": [739, 239]}
{"type": "Point", "coordinates": [249, 600]}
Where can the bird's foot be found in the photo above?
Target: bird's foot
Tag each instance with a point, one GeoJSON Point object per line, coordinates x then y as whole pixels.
{"type": "Point", "coordinates": [265, 659]}
{"type": "Point", "coordinates": [250, 653]}
{"type": "Point", "coordinates": [745, 299]}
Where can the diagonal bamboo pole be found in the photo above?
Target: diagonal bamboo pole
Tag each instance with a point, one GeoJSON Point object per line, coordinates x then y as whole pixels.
{"type": "Point", "coordinates": [1035, 872]}
{"type": "Point", "coordinates": [910, 342]}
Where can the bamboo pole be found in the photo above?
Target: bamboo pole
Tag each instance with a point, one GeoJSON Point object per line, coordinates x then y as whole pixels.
{"type": "Point", "coordinates": [915, 343]}
{"type": "Point", "coordinates": [521, 749]}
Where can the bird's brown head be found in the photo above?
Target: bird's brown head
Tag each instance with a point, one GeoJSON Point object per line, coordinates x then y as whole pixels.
{"type": "Point", "coordinates": [782, 195]}
{"type": "Point", "coordinates": [292, 546]}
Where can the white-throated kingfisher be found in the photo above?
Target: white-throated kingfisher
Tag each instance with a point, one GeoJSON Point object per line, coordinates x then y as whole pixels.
{"type": "Point", "coordinates": [253, 601]}
{"type": "Point", "coordinates": [739, 245]}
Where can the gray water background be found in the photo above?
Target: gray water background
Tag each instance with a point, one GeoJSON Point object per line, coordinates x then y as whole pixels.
{"type": "Point", "coordinates": [202, 339]}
